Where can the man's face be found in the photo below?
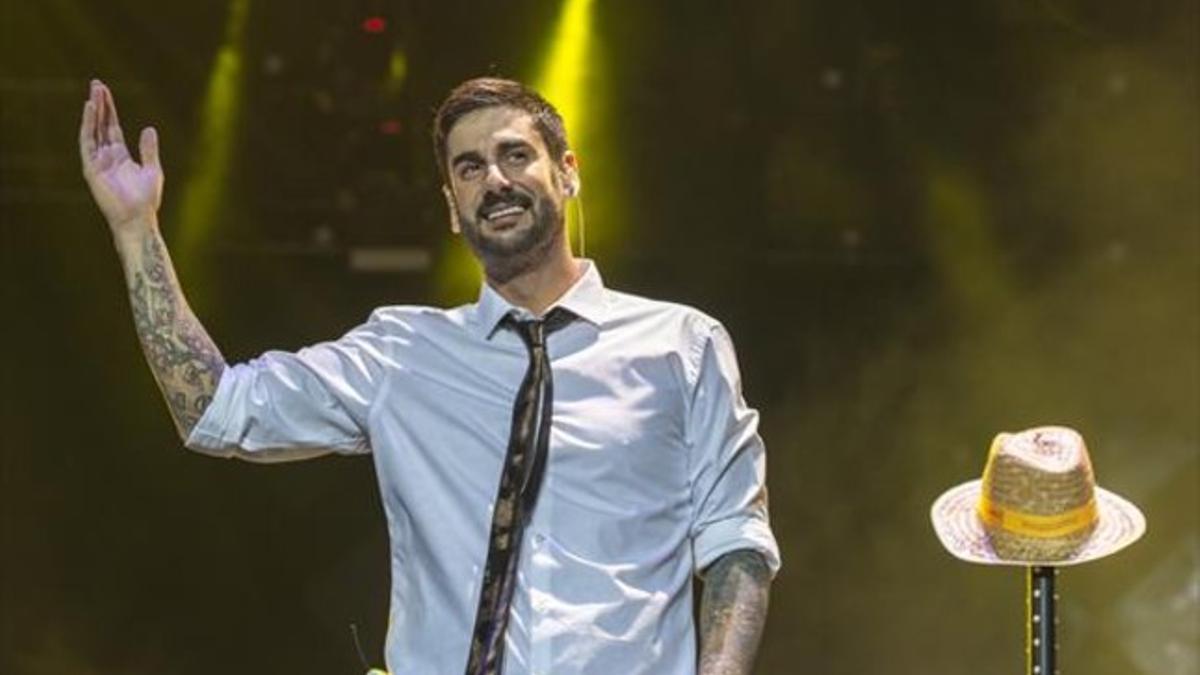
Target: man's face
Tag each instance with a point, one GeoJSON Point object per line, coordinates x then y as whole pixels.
{"type": "Point", "coordinates": [506, 189]}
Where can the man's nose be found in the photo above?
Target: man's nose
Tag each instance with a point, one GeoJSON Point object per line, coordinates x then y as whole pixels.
{"type": "Point", "coordinates": [495, 178]}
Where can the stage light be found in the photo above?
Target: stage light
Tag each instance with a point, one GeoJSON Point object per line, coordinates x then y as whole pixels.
{"type": "Point", "coordinates": [564, 68]}
{"type": "Point", "coordinates": [397, 72]}
{"type": "Point", "coordinates": [374, 25]}
{"type": "Point", "coordinates": [205, 188]}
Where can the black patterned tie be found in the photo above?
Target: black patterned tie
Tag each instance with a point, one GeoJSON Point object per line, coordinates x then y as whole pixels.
{"type": "Point", "coordinates": [520, 481]}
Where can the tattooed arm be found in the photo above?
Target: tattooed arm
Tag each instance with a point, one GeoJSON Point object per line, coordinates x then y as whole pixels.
{"type": "Point", "coordinates": [183, 358]}
{"type": "Point", "coordinates": [733, 609]}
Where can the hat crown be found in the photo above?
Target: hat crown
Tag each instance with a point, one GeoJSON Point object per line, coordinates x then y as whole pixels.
{"type": "Point", "coordinates": [1042, 471]}
{"type": "Point", "coordinates": [1053, 449]}
{"type": "Point", "coordinates": [1037, 499]}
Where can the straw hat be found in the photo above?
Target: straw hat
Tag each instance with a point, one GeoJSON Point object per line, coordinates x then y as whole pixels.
{"type": "Point", "coordinates": [1037, 504]}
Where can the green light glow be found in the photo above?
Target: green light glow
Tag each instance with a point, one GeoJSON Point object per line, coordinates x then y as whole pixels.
{"type": "Point", "coordinates": [397, 71]}
{"type": "Point", "coordinates": [206, 188]}
{"type": "Point", "coordinates": [961, 234]}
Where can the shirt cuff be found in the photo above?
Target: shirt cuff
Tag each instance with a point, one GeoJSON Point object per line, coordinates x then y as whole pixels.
{"type": "Point", "coordinates": [735, 534]}
{"type": "Point", "coordinates": [206, 436]}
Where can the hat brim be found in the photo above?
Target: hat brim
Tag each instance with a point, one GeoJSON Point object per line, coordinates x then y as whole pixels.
{"type": "Point", "coordinates": [958, 527]}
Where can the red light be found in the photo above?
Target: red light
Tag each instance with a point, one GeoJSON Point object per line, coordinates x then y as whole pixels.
{"type": "Point", "coordinates": [374, 24]}
{"type": "Point", "coordinates": [390, 127]}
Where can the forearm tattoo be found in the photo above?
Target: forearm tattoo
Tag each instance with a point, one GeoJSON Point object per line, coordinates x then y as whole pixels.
{"type": "Point", "coordinates": [184, 359]}
{"type": "Point", "coordinates": [733, 609]}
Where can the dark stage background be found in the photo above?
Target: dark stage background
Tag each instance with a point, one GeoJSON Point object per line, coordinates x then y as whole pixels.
{"type": "Point", "coordinates": [923, 223]}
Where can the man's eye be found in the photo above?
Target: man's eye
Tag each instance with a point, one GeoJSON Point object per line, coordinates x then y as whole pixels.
{"type": "Point", "coordinates": [517, 156]}
{"type": "Point", "coordinates": [468, 171]}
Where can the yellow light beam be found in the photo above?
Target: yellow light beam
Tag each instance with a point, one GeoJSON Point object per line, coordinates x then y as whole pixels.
{"type": "Point", "coordinates": [965, 250]}
{"type": "Point", "coordinates": [564, 79]}
{"type": "Point", "coordinates": [564, 71]}
{"type": "Point", "coordinates": [206, 188]}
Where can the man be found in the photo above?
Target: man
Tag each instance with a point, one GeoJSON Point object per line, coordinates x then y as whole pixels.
{"type": "Point", "coordinates": [556, 461]}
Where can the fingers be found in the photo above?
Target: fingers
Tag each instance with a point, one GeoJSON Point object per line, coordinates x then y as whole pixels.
{"type": "Point", "coordinates": [101, 140]}
{"type": "Point", "coordinates": [114, 124]}
{"type": "Point", "coordinates": [98, 108]}
{"type": "Point", "coordinates": [87, 134]}
{"type": "Point", "coordinates": [148, 147]}
{"type": "Point", "coordinates": [107, 128]}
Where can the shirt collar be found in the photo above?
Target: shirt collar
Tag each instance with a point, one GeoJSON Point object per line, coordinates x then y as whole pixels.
{"type": "Point", "coordinates": [585, 299]}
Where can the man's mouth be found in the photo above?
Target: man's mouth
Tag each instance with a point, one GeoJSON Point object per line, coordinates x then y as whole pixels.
{"type": "Point", "coordinates": [503, 213]}
{"type": "Point", "coordinates": [506, 209]}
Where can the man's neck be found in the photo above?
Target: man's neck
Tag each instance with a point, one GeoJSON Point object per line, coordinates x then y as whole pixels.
{"type": "Point", "coordinates": [538, 288]}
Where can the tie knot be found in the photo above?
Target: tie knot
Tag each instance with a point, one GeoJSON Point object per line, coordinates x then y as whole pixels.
{"type": "Point", "coordinates": [533, 332]}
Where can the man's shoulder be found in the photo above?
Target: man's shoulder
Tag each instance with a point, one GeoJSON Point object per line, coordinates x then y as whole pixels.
{"type": "Point", "coordinates": [626, 307]}
{"type": "Point", "coordinates": [663, 327]}
{"type": "Point", "coordinates": [414, 319]}
{"type": "Point", "coordinates": [416, 313]}
{"type": "Point", "coordinates": [648, 325]}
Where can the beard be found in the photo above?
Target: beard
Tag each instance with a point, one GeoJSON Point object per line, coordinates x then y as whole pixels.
{"type": "Point", "coordinates": [508, 255]}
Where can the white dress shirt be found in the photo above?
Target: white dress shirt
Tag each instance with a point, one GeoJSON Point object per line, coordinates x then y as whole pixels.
{"type": "Point", "coordinates": [655, 470]}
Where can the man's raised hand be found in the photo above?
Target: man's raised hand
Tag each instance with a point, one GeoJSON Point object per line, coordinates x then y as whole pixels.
{"type": "Point", "coordinates": [181, 355]}
{"type": "Point", "coordinates": [128, 193]}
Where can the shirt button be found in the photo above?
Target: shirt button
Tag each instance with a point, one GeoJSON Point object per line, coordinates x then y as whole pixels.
{"type": "Point", "coordinates": [538, 539]}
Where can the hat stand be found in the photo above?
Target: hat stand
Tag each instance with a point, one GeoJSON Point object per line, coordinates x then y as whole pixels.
{"type": "Point", "coordinates": [1041, 621]}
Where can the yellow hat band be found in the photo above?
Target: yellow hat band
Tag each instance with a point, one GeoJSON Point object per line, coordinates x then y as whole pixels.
{"type": "Point", "coordinates": [1035, 525]}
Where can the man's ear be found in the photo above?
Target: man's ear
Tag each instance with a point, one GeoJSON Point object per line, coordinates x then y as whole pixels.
{"type": "Point", "coordinates": [455, 226]}
{"type": "Point", "coordinates": [570, 173]}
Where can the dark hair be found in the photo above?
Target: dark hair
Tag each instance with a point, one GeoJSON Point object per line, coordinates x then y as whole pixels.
{"type": "Point", "coordinates": [488, 92]}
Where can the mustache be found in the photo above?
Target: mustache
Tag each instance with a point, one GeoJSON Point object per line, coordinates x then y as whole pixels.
{"type": "Point", "coordinates": [499, 200]}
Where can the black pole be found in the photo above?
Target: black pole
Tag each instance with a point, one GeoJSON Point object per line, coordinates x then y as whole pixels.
{"type": "Point", "coordinates": [1041, 621]}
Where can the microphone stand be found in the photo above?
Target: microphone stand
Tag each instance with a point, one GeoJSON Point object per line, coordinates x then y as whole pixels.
{"type": "Point", "coordinates": [1041, 621]}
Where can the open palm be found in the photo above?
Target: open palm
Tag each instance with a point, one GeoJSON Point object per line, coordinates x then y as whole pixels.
{"type": "Point", "coordinates": [125, 190]}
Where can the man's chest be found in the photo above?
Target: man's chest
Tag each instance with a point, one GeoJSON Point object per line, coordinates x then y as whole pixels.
{"type": "Point", "coordinates": [617, 436]}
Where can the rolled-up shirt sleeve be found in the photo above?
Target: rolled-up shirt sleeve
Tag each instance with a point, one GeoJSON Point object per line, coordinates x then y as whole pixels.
{"type": "Point", "coordinates": [728, 459]}
{"type": "Point", "coordinates": [286, 406]}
